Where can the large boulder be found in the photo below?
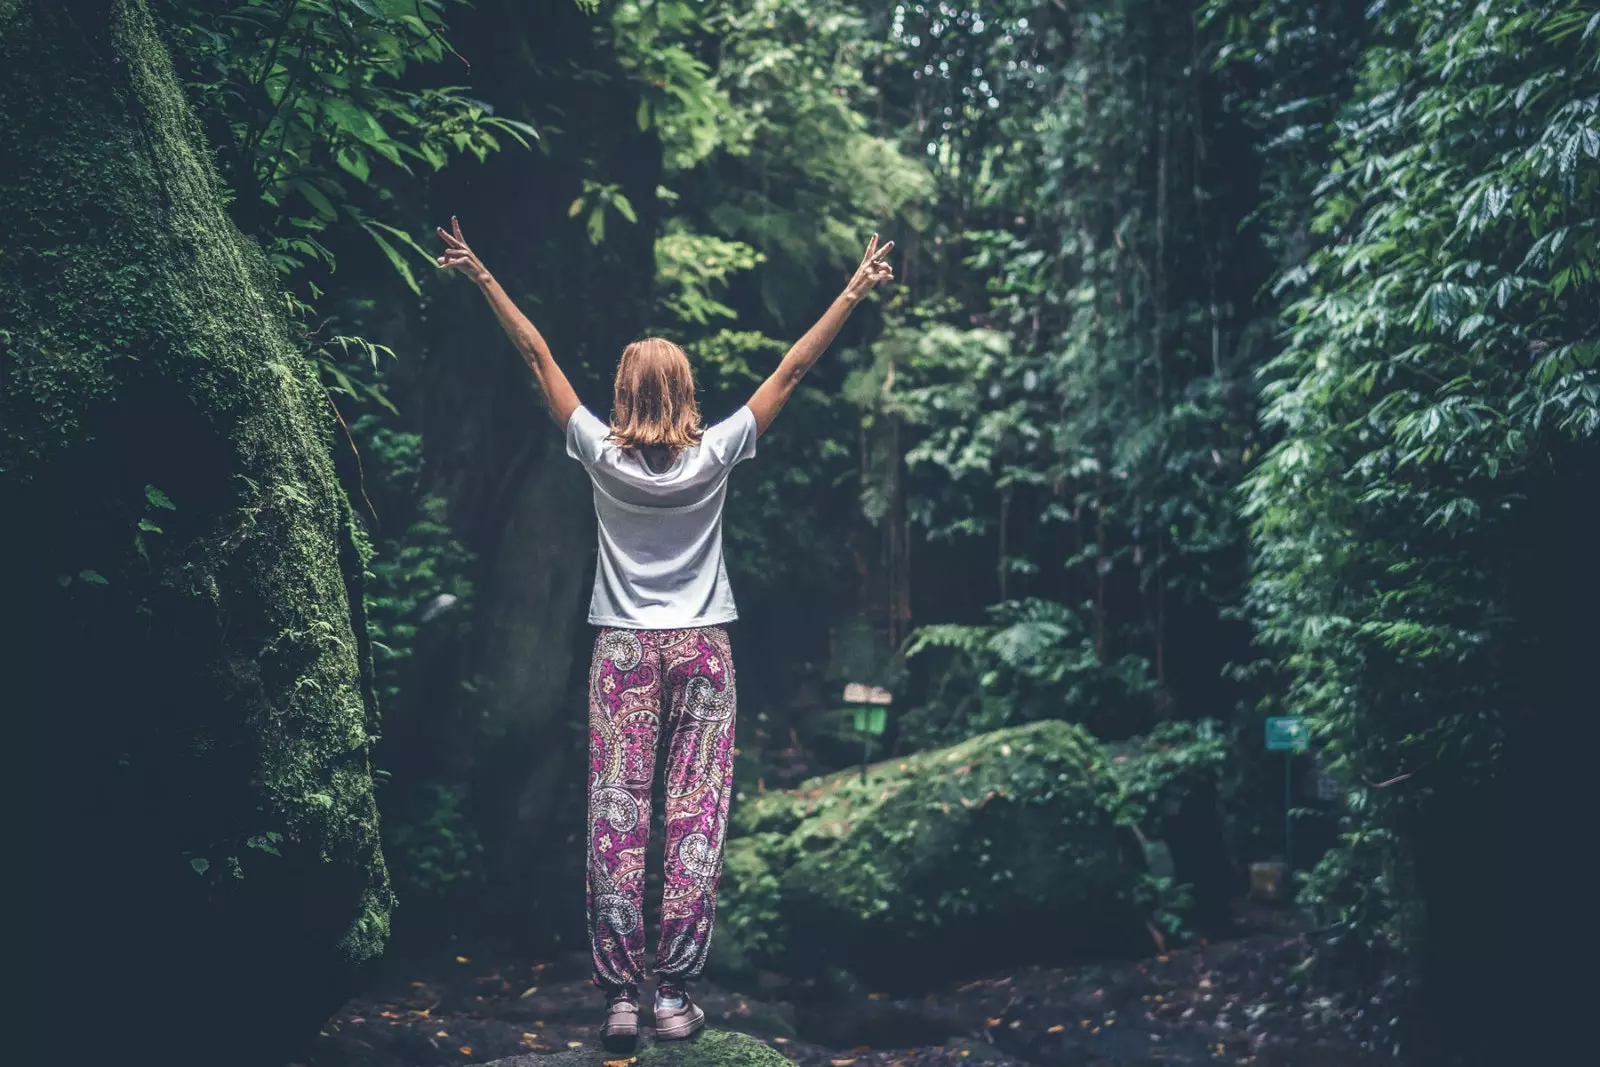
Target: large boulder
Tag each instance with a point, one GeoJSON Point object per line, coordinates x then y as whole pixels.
{"type": "Point", "coordinates": [187, 672]}
{"type": "Point", "coordinates": [1007, 847]}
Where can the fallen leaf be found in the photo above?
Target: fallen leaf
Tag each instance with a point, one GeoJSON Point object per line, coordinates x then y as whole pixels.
{"type": "Point", "coordinates": [843, 1063]}
{"type": "Point", "coordinates": [466, 1050]}
{"type": "Point", "coordinates": [780, 1041]}
{"type": "Point", "coordinates": [990, 1024]}
{"type": "Point", "coordinates": [530, 991]}
{"type": "Point", "coordinates": [538, 1022]}
{"type": "Point", "coordinates": [574, 1044]}
{"type": "Point", "coordinates": [619, 1063]}
{"type": "Point", "coordinates": [874, 996]}
{"type": "Point", "coordinates": [1056, 1029]}
{"type": "Point", "coordinates": [462, 959]}
{"type": "Point", "coordinates": [966, 1052]}
{"type": "Point", "coordinates": [441, 1033]}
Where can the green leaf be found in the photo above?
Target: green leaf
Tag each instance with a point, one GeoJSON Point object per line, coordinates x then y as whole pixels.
{"type": "Point", "coordinates": [263, 844]}
{"type": "Point", "coordinates": [200, 864]}
{"type": "Point", "coordinates": [354, 162]}
{"type": "Point", "coordinates": [146, 524]}
{"type": "Point", "coordinates": [409, 241]}
{"type": "Point", "coordinates": [94, 577]}
{"type": "Point", "coordinates": [396, 260]}
{"type": "Point", "coordinates": [158, 499]}
{"type": "Point", "coordinates": [318, 200]}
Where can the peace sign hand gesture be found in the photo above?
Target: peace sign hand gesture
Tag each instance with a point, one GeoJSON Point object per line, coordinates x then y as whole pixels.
{"type": "Point", "coordinates": [457, 256]}
{"type": "Point", "coordinates": [873, 269]}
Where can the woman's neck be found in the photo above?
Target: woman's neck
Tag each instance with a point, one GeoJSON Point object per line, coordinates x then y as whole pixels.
{"type": "Point", "coordinates": [657, 457]}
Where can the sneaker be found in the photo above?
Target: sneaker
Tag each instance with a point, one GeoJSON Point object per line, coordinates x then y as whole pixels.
{"type": "Point", "coordinates": [620, 1032]}
{"type": "Point", "coordinates": [677, 1016]}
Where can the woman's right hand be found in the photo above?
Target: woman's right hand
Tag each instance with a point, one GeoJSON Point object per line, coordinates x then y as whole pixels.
{"type": "Point", "coordinates": [871, 271]}
{"type": "Point", "coordinates": [457, 256]}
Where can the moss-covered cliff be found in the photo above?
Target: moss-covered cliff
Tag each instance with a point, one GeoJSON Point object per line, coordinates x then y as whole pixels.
{"type": "Point", "coordinates": [192, 688]}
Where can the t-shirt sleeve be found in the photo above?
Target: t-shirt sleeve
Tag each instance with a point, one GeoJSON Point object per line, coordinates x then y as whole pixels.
{"type": "Point", "coordinates": [734, 438]}
{"type": "Point", "coordinates": [586, 436]}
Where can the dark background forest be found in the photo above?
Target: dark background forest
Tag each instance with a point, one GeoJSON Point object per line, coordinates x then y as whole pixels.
{"type": "Point", "coordinates": [1241, 363]}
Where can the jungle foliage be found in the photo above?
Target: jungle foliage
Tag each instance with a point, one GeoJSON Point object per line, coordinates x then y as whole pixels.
{"type": "Point", "coordinates": [1242, 363]}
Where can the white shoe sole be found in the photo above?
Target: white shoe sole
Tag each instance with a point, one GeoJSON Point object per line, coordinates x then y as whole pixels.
{"type": "Point", "coordinates": [680, 1030]}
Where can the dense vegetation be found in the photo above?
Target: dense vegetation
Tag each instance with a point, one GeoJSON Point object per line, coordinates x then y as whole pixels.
{"type": "Point", "coordinates": [1243, 363]}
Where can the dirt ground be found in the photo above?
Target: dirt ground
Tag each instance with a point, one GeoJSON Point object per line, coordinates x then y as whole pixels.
{"type": "Point", "coordinates": [1244, 1000]}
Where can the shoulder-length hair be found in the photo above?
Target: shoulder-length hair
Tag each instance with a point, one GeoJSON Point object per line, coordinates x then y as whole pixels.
{"type": "Point", "coordinates": [654, 404]}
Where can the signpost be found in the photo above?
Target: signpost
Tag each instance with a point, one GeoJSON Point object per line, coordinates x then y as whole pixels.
{"type": "Point", "coordinates": [871, 709]}
{"type": "Point", "coordinates": [1287, 734]}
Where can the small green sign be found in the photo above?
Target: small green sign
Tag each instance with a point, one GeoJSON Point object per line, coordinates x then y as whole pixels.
{"type": "Point", "coordinates": [870, 720]}
{"type": "Point", "coordinates": [1286, 733]}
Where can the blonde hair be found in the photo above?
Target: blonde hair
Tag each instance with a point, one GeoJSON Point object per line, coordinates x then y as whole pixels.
{"type": "Point", "coordinates": [654, 403]}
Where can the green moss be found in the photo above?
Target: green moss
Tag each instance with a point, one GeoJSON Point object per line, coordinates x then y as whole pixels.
{"type": "Point", "coordinates": [709, 1048]}
{"type": "Point", "coordinates": [223, 683]}
{"type": "Point", "coordinates": [1012, 834]}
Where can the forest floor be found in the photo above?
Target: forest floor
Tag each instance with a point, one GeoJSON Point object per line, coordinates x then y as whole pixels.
{"type": "Point", "coordinates": [1241, 1000]}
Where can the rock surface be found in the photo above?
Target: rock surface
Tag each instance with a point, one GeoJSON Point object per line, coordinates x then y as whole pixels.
{"type": "Point", "coordinates": [191, 675]}
{"type": "Point", "coordinates": [1003, 848]}
{"type": "Point", "coordinates": [709, 1048]}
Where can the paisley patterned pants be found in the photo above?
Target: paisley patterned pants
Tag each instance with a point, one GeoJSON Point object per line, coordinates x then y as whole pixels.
{"type": "Point", "coordinates": [643, 684]}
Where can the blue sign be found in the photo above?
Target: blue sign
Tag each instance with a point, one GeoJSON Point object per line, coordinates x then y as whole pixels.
{"type": "Point", "coordinates": [1286, 733]}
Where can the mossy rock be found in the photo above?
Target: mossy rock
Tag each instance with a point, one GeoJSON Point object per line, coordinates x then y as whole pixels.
{"type": "Point", "coordinates": [1003, 848]}
{"type": "Point", "coordinates": [193, 682]}
{"type": "Point", "coordinates": [708, 1048]}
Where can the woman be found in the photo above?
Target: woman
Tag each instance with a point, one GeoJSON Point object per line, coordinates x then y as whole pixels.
{"type": "Point", "coordinates": [661, 658]}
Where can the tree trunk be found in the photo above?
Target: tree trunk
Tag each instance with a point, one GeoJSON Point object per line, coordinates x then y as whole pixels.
{"type": "Point", "coordinates": [194, 676]}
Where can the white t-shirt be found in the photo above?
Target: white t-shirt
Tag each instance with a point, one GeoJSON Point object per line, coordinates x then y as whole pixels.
{"type": "Point", "coordinates": [660, 565]}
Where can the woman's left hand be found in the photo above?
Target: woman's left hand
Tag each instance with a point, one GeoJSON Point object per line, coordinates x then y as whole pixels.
{"type": "Point", "coordinates": [873, 269]}
{"type": "Point", "coordinates": [457, 256]}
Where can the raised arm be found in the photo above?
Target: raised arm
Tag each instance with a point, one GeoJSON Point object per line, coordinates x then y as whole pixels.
{"type": "Point", "coordinates": [558, 394]}
{"type": "Point", "coordinates": [769, 398]}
